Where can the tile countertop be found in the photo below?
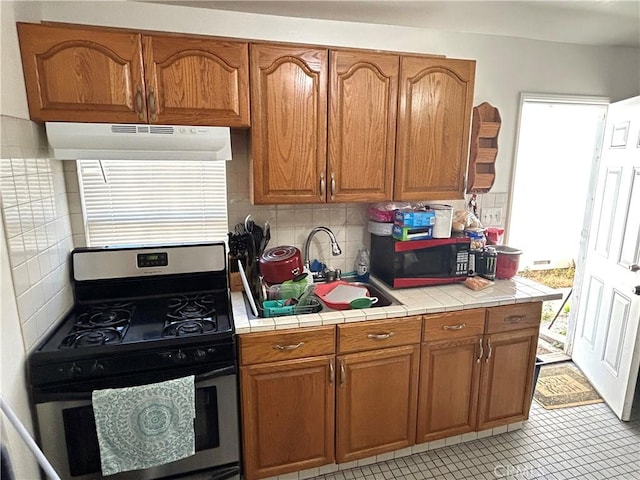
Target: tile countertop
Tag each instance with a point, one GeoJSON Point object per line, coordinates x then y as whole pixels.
{"type": "Point", "coordinates": [414, 301]}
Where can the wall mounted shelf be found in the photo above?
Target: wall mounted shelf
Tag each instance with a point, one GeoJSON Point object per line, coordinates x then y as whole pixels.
{"type": "Point", "coordinates": [485, 128]}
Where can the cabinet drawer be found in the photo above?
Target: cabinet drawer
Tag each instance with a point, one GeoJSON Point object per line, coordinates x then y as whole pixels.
{"type": "Point", "coordinates": [460, 324]}
{"type": "Point", "coordinates": [287, 344]}
{"type": "Point", "coordinates": [513, 317]}
{"type": "Point", "coordinates": [357, 337]}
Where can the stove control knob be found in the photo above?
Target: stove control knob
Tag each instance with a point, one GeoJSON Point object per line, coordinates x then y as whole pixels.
{"type": "Point", "coordinates": [76, 370]}
{"type": "Point", "coordinates": [180, 356]}
{"type": "Point", "coordinates": [97, 368]}
{"type": "Point", "coordinates": [199, 354]}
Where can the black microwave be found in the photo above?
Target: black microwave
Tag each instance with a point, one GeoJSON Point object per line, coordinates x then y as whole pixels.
{"type": "Point", "coordinates": [419, 263]}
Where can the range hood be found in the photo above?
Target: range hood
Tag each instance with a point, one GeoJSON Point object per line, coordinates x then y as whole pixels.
{"type": "Point", "coordinates": [105, 141]}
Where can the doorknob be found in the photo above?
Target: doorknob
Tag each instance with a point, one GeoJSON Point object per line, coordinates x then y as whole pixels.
{"type": "Point", "coordinates": [636, 290]}
{"type": "Point", "coordinates": [634, 268]}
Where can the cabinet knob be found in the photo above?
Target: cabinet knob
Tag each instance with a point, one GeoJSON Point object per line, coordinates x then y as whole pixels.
{"type": "Point", "coordinates": [634, 268]}
{"type": "Point", "coordinates": [636, 290]}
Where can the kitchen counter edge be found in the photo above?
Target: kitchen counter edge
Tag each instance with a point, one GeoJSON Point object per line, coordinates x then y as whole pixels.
{"type": "Point", "coordinates": [412, 301]}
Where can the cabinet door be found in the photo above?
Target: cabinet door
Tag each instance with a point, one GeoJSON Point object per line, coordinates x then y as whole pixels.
{"type": "Point", "coordinates": [448, 392]}
{"type": "Point", "coordinates": [196, 81]}
{"type": "Point", "coordinates": [362, 125]}
{"type": "Point", "coordinates": [376, 402]}
{"type": "Point", "coordinates": [506, 378]}
{"type": "Point", "coordinates": [82, 75]}
{"type": "Point", "coordinates": [434, 118]}
{"type": "Point", "coordinates": [289, 124]}
{"type": "Point", "coordinates": [287, 416]}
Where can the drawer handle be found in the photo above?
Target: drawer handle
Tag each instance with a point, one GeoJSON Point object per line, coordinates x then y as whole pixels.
{"type": "Point", "coordinates": [490, 350]}
{"type": "Point", "coordinates": [460, 326]}
{"type": "Point", "coordinates": [514, 318]}
{"type": "Point", "coordinates": [481, 350]}
{"type": "Point", "coordinates": [380, 336]}
{"type": "Point", "coordinates": [288, 347]}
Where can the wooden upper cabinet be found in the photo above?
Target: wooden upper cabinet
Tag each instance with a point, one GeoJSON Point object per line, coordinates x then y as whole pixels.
{"type": "Point", "coordinates": [363, 93]}
{"type": "Point", "coordinates": [196, 81]}
{"type": "Point", "coordinates": [85, 75]}
{"type": "Point", "coordinates": [289, 128]}
{"type": "Point", "coordinates": [434, 117]}
{"type": "Point", "coordinates": [92, 74]}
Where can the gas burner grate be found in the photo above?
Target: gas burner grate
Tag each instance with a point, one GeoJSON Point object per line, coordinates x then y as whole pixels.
{"type": "Point", "coordinates": [92, 337]}
{"type": "Point", "coordinates": [190, 315]}
{"type": "Point", "coordinates": [187, 307]}
{"type": "Point", "coordinates": [99, 324]}
{"type": "Point", "coordinates": [181, 328]}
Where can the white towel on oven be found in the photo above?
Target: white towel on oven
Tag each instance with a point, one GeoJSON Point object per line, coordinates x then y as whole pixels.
{"type": "Point", "coordinates": [145, 426]}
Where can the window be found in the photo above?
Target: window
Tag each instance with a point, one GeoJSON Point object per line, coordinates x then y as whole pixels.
{"type": "Point", "coordinates": [148, 202]}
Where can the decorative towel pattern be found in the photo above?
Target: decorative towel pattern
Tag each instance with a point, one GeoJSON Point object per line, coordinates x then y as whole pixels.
{"type": "Point", "coordinates": [145, 426]}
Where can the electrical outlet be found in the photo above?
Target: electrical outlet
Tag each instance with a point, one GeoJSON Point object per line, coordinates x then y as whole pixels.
{"type": "Point", "coordinates": [491, 217]}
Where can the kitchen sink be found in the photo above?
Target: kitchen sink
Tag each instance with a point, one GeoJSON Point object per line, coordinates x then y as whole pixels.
{"type": "Point", "coordinates": [384, 299]}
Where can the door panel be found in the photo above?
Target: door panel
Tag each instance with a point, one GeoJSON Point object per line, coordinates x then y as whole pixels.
{"type": "Point", "coordinates": [82, 75]}
{"type": "Point", "coordinates": [434, 118]}
{"type": "Point", "coordinates": [376, 402]}
{"type": "Point", "coordinates": [197, 81]}
{"type": "Point", "coordinates": [630, 251]}
{"type": "Point", "coordinates": [288, 416]}
{"type": "Point", "coordinates": [594, 303]}
{"type": "Point", "coordinates": [605, 224]}
{"type": "Point", "coordinates": [611, 359]}
{"type": "Point", "coordinates": [506, 377]}
{"type": "Point", "coordinates": [362, 125]}
{"type": "Point", "coordinates": [448, 393]}
{"type": "Point", "coordinates": [615, 332]}
{"type": "Point", "coordinates": [289, 127]}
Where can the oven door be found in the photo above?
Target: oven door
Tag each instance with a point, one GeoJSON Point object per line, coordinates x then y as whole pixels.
{"type": "Point", "coordinates": [69, 440]}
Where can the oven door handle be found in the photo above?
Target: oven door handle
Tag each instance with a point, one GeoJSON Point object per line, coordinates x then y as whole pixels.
{"type": "Point", "coordinates": [220, 372]}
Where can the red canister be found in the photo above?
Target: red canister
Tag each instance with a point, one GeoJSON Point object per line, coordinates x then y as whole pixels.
{"type": "Point", "coordinates": [508, 261]}
{"type": "Point", "coordinates": [279, 264]}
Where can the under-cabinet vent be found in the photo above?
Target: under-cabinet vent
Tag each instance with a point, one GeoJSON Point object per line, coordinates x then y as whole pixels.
{"type": "Point", "coordinates": [161, 129]}
{"type": "Point", "coordinates": [104, 141]}
{"type": "Point", "coordinates": [123, 128]}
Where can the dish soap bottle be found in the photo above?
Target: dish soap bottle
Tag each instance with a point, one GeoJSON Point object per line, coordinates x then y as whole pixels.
{"type": "Point", "coordinates": [362, 265]}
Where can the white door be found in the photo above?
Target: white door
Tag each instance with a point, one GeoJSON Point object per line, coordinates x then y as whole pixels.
{"type": "Point", "coordinates": [607, 338]}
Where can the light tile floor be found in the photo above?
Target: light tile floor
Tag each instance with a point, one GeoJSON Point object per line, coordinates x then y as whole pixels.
{"type": "Point", "coordinates": [587, 442]}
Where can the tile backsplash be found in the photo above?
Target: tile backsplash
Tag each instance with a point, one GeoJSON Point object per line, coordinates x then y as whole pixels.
{"type": "Point", "coordinates": [37, 226]}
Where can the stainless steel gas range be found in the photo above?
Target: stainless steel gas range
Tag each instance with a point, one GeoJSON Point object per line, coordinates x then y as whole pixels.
{"type": "Point", "coordinates": [141, 315]}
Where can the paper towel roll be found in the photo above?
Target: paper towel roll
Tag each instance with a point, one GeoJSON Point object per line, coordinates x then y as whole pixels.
{"type": "Point", "coordinates": [444, 219]}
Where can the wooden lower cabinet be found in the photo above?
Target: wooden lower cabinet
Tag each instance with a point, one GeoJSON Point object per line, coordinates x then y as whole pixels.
{"type": "Point", "coordinates": [376, 402]}
{"type": "Point", "coordinates": [507, 377]}
{"type": "Point", "coordinates": [449, 380]}
{"type": "Point", "coordinates": [287, 415]}
{"type": "Point", "coordinates": [476, 374]}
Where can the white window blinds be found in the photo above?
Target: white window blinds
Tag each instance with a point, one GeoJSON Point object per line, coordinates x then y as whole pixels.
{"type": "Point", "coordinates": [150, 202]}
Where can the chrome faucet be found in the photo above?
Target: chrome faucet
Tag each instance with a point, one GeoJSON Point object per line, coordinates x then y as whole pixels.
{"type": "Point", "coordinates": [335, 248]}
